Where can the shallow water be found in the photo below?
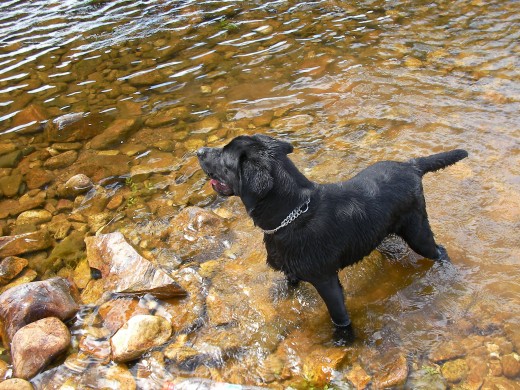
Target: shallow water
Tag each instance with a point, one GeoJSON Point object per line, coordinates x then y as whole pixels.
{"type": "Point", "coordinates": [348, 85]}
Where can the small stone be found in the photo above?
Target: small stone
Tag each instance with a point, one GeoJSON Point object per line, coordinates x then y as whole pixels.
{"type": "Point", "coordinates": [116, 312]}
{"type": "Point", "coordinates": [4, 367]}
{"type": "Point", "coordinates": [93, 292]}
{"type": "Point", "coordinates": [358, 377]}
{"type": "Point", "coordinates": [36, 344]}
{"type": "Point", "coordinates": [393, 374]}
{"type": "Point", "coordinates": [264, 30]}
{"type": "Point", "coordinates": [454, 370]}
{"type": "Point", "coordinates": [26, 276]}
{"type": "Point", "coordinates": [75, 127]}
{"type": "Point", "coordinates": [62, 160]}
{"type": "Point", "coordinates": [114, 134]}
{"type": "Point", "coordinates": [10, 185]}
{"type": "Point", "coordinates": [64, 146]}
{"type": "Point", "coordinates": [82, 274]}
{"type": "Point", "coordinates": [30, 302]}
{"type": "Point", "coordinates": [16, 384]}
{"type": "Point", "coordinates": [124, 270]}
{"type": "Point", "coordinates": [447, 351]}
{"type": "Point", "coordinates": [321, 362]}
{"type": "Point", "coordinates": [168, 117]}
{"type": "Point", "coordinates": [511, 365]}
{"type": "Point", "coordinates": [7, 147]}
{"type": "Point", "coordinates": [10, 160]}
{"type": "Point", "coordinates": [35, 217]}
{"type": "Point", "coordinates": [10, 267]}
{"type": "Point", "coordinates": [37, 178]}
{"type": "Point", "coordinates": [23, 243]}
{"type": "Point", "coordinates": [76, 185]}
{"type": "Point", "coordinates": [206, 125]}
{"type": "Point", "coordinates": [115, 202]}
{"type": "Point", "coordinates": [138, 335]}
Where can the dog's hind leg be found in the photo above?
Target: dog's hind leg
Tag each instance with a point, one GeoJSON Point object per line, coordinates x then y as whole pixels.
{"type": "Point", "coordinates": [331, 292]}
{"type": "Point", "coordinates": [419, 236]}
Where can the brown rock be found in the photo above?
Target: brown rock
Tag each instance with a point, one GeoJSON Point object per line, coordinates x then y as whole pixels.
{"type": "Point", "coordinates": [114, 134]}
{"type": "Point", "coordinates": [393, 374]}
{"type": "Point", "coordinates": [320, 363]}
{"type": "Point", "coordinates": [511, 365]}
{"type": "Point", "coordinates": [33, 115]}
{"type": "Point", "coordinates": [10, 160]}
{"type": "Point", "coordinates": [36, 344]}
{"type": "Point", "coordinates": [124, 270]}
{"type": "Point", "coordinates": [23, 243]}
{"type": "Point", "coordinates": [98, 348]}
{"type": "Point", "coordinates": [138, 335]}
{"type": "Point", "coordinates": [76, 185]}
{"type": "Point", "coordinates": [115, 313]}
{"type": "Point", "coordinates": [33, 301]}
{"type": "Point", "coordinates": [16, 384]}
{"type": "Point", "coordinates": [26, 276]}
{"type": "Point", "coordinates": [35, 217]}
{"type": "Point", "coordinates": [10, 185]}
{"type": "Point", "coordinates": [75, 127]}
{"type": "Point", "coordinates": [358, 377]}
{"type": "Point", "coordinates": [447, 351]}
{"type": "Point", "coordinates": [62, 160]}
{"type": "Point", "coordinates": [454, 370]}
{"type": "Point", "coordinates": [92, 292]}
{"type": "Point", "coordinates": [37, 178]}
{"type": "Point", "coordinates": [4, 367]}
{"type": "Point", "coordinates": [10, 267]}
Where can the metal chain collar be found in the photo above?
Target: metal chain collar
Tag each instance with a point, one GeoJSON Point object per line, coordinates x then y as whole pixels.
{"type": "Point", "coordinates": [303, 208]}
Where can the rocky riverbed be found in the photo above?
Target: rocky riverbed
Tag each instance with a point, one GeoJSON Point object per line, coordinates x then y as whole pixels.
{"type": "Point", "coordinates": [121, 268]}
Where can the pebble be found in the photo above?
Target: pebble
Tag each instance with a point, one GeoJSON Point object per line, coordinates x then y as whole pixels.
{"type": "Point", "coordinates": [10, 267]}
{"type": "Point", "coordinates": [62, 160]}
{"type": "Point", "coordinates": [36, 344]}
{"type": "Point", "coordinates": [16, 384]}
{"type": "Point", "coordinates": [511, 365]}
{"type": "Point", "coordinates": [138, 335]}
{"type": "Point", "coordinates": [454, 370]}
{"type": "Point", "coordinates": [35, 217]}
{"type": "Point", "coordinates": [76, 185]}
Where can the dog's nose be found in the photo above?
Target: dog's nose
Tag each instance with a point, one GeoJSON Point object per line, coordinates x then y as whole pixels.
{"type": "Point", "coordinates": [201, 152]}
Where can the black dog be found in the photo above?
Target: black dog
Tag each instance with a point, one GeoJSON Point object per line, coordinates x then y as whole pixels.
{"type": "Point", "coordinates": [311, 231]}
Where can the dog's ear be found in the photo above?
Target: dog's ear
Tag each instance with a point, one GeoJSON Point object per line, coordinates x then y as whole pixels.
{"type": "Point", "coordinates": [255, 181]}
{"type": "Point", "coordinates": [275, 144]}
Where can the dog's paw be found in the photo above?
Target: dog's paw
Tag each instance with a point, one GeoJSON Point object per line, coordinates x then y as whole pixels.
{"type": "Point", "coordinates": [442, 254]}
{"type": "Point", "coordinates": [343, 335]}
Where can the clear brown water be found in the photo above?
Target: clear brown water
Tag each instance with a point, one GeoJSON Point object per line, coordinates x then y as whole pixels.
{"type": "Point", "coordinates": [348, 85]}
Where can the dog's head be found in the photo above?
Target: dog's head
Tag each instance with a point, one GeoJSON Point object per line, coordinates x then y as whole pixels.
{"type": "Point", "coordinates": [244, 167]}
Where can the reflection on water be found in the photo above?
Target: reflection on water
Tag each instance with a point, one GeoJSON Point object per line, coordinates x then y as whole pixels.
{"type": "Point", "coordinates": [149, 82]}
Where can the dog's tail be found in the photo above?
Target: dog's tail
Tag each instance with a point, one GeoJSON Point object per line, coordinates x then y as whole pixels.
{"type": "Point", "coordinates": [438, 161]}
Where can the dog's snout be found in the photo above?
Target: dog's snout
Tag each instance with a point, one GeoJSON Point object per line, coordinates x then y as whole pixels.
{"type": "Point", "coordinates": [202, 152]}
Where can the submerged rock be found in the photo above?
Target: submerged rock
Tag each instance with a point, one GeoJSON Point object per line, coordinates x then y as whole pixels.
{"type": "Point", "coordinates": [23, 243]}
{"type": "Point", "coordinates": [77, 184]}
{"type": "Point", "coordinates": [36, 344]}
{"type": "Point", "coordinates": [10, 267]}
{"type": "Point", "coordinates": [114, 134]}
{"type": "Point", "coordinates": [123, 269]}
{"type": "Point", "coordinates": [74, 127]}
{"type": "Point", "coordinates": [393, 374]}
{"type": "Point", "coordinates": [33, 301]}
{"type": "Point", "coordinates": [138, 335]}
{"type": "Point", "coordinates": [62, 160]}
{"type": "Point", "coordinates": [35, 217]}
{"type": "Point", "coordinates": [16, 384]}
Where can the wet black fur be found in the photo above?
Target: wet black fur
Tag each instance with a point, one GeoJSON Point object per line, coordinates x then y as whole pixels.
{"type": "Point", "coordinates": [345, 221]}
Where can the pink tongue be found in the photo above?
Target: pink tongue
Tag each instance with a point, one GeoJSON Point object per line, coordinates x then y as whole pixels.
{"type": "Point", "coordinates": [214, 182]}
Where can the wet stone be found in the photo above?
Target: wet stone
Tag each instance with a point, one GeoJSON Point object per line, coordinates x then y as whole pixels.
{"type": "Point", "coordinates": [358, 377]}
{"type": "Point", "coordinates": [123, 269]}
{"type": "Point", "coordinates": [35, 217]}
{"type": "Point", "coordinates": [116, 312]}
{"type": "Point", "coordinates": [167, 117]}
{"type": "Point", "coordinates": [138, 335]}
{"type": "Point", "coordinates": [511, 365]}
{"type": "Point", "coordinates": [10, 185]}
{"type": "Point", "coordinates": [16, 384]}
{"type": "Point", "coordinates": [30, 302]}
{"type": "Point", "coordinates": [7, 147]}
{"type": "Point", "coordinates": [33, 113]}
{"type": "Point", "coordinates": [62, 160]}
{"type": "Point", "coordinates": [36, 344]}
{"type": "Point", "coordinates": [10, 160]}
{"type": "Point", "coordinates": [26, 276]}
{"type": "Point", "coordinates": [114, 134]}
{"type": "Point", "coordinates": [10, 267]}
{"type": "Point", "coordinates": [454, 370]}
{"type": "Point", "coordinates": [37, 178]}
{"type": "Point", "coordinates": [74, 127]}
{"type": "Point", "coordinates": [24, 243]}
{"type": "Point", "coordinates": [393, 374]}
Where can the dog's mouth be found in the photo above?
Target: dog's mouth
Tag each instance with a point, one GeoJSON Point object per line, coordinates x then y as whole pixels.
{"type": "Point", "coordinates": [221, 188]}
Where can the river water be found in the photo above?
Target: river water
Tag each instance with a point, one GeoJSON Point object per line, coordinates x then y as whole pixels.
{"type": "Point", "coordinates": [348, 84]}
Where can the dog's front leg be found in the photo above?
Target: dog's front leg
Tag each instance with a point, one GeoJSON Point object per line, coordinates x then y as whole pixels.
{"type": "Point", "coordinates": [331, 292]}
